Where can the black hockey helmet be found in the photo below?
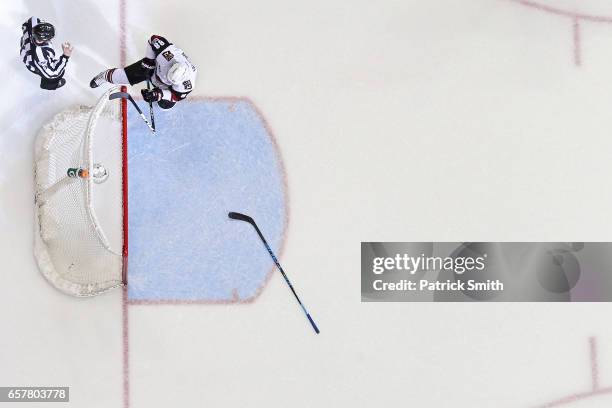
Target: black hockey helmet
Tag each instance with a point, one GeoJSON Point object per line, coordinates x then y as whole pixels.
{"type": "Point", "coordinates": [43, 32]}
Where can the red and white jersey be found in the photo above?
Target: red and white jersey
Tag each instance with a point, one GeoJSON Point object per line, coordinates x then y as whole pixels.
{"type": "Point", "coordinates": [165, 54]}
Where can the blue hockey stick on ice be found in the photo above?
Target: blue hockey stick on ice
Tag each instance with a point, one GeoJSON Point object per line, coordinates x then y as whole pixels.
{"type": "Point", "coordinates": [246, 218]}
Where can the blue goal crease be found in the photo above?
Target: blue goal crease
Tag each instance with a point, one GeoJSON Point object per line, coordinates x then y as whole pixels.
{"type": "Point", "coordinates": [207, 158]}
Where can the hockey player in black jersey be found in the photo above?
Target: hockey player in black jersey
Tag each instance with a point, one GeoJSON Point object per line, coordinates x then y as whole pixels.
{"type": "Point", "coordinates": [165, 65]}
{"type": "Point", "coordinates": [38, 55]}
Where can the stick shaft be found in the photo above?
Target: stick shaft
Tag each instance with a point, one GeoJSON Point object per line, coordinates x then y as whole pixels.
{"type": "Point", "coordinates": [140, 113]}
{"type": "Point", "coordinates": [280, 268]}
{"type": "Point", "coordinates": [129, 97]}
{"type": "Point", "coordinates": [151, 107]}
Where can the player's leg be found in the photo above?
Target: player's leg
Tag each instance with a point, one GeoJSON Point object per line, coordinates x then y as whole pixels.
{"type": "Point", "coordinates": [132, 74]}
{"type": "Point", "coordinates": [112, 76]}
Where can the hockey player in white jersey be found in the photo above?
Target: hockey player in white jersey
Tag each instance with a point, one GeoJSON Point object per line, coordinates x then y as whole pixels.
{"type": "Point", "coordinates": [166, 65]}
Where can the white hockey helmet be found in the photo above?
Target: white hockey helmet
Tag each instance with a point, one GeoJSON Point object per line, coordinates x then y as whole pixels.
{"type": "Point", "coordinates": [177, 73]}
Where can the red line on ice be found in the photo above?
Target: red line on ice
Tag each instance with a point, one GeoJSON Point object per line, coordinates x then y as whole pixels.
{"type": "Point", "coordinates": [596, 390]}
{"type": "Point", "coordinates": [126, 347]}
{"type": "Point", "coordinates": [576, 397]}
{"type": "Point", "coordinates": [122, 32]}
{"type": "Point", "coordinates": [564, 13]}
{"type": "Point", "coordinates": [124, 294]}
{"type": "Point", "coordinates": [594, 365]}
{"type": "Point", "coordinates": [577, 48]}
{"type": "Point", "coordinates": [576, 17]}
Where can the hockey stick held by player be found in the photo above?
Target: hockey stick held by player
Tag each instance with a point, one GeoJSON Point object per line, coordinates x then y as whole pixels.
{"type": "Point", "coordinates": [165, 65]}
{"type": "Point", "coordinates": [151, 114]}
{"type": "Point", "coordinates": [125, 95]}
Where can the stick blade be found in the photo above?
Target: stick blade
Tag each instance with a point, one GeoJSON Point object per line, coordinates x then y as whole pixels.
{"type": "Point", "coordinates": [119, 95]}
{"type": "Point", "coordinates": [238, 216]}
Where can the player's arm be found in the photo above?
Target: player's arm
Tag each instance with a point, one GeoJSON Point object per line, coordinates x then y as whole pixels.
{"type": "Point", "coordinates": [165, 98]}
{"type": "Point", "coordinates": [174, 95]}
{"type": "Point", "coordinates": [49, 66]}
{"type": "Point", "coordinates": [58, 65]}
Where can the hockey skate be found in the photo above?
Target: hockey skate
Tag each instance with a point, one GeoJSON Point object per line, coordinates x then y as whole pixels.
{"type": "Point", "coordinates": [99, 79]}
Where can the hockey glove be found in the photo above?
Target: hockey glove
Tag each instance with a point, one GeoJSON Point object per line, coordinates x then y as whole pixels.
{"type": "Point", "coordinates": [152, 95]}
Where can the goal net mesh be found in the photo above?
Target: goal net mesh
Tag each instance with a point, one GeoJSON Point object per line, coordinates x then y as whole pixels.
{"type": "Point", "coordinates": [79, 237]}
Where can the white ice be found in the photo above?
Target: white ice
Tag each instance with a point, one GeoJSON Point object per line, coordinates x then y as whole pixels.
{"type": "Point", "coordinates": [398, 121]}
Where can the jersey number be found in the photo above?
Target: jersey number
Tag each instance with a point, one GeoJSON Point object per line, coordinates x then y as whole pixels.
{"type": "Point", "coordinates": [187, 85]}
{"type": "Point", "coordinates": [157, 43]}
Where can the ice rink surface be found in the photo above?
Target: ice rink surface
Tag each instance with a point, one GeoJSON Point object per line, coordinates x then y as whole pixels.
{"type": "Point", "coordinates": [213, 156]}
{"type": "Point", "coordinates": [480, 120]}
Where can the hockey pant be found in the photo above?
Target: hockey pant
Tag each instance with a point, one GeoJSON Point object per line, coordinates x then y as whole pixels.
{"type": "Point", "coordinates": [135, 74]}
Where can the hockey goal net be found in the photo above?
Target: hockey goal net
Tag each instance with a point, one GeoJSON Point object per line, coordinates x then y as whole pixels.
{"type": "Point", "coordinates": [81, 198]}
